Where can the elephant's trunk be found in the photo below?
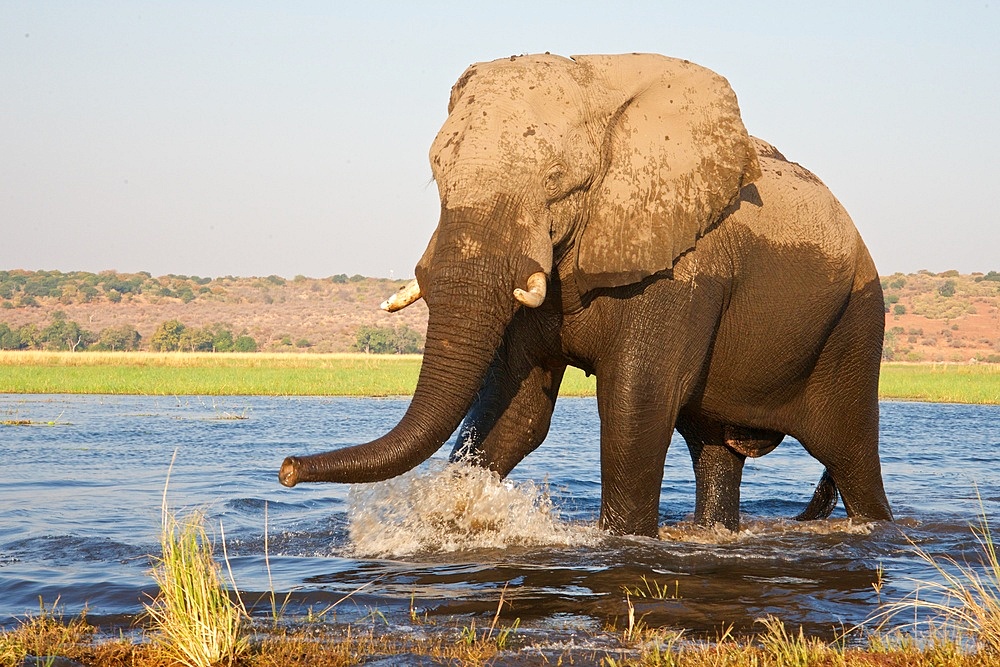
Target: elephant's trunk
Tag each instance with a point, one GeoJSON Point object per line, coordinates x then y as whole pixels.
{"type": "Point", "coordinates": [462, 337]}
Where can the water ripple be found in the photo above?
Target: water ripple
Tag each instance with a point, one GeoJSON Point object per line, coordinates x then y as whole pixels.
{"type": "Point", "coordinates": [80, 526]}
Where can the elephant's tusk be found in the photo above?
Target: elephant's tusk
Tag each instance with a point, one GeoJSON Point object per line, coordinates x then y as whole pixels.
{"type": "Point", "coordinates": [535, 294]}
{"type": "Point", "coordinates": [406, 295]}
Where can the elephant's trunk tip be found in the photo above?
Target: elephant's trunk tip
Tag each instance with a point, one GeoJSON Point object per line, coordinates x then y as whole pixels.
{"type": "Point", "coordinates": [289, 473]}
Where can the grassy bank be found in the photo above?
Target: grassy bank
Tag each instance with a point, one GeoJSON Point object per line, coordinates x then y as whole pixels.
{"type": "Point", "coordinates": [941, 383]}
{"type": "Point", "coordinates": [177, 373]}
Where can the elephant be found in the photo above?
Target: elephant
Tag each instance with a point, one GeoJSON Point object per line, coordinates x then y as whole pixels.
{"type": "Point", "coordinates": [612, 213]}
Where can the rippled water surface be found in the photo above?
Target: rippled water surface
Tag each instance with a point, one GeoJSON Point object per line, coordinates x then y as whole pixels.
{"type": "Point", "coordinates": [81, 488]}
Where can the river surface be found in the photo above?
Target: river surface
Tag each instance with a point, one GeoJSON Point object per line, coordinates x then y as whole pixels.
{"type": "Point", "coordinates": [81, 490]}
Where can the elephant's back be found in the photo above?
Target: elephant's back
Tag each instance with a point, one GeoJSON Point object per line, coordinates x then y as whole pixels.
{"type": "Point", "coordinates": [795, 256]}
{"type": "Point", "coordinates": [789, 206]}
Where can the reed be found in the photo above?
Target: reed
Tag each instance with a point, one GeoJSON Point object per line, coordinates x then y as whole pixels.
{"type": "Point", "coordinates": [44, 637]}
{"type": "Point", "coordinates": [962, 604]}
{"type": "Point", "coordinates": [195, 622]}
{"type": "Point", "coordinates": [321, 645]}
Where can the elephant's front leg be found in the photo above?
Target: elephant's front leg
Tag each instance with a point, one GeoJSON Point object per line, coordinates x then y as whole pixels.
{"type": "Point", "coordinates": [506, 423]}
{"type": "Point", "coordinates": [636, 424]}
{"type": "Point", "coordinates": [512, 412]}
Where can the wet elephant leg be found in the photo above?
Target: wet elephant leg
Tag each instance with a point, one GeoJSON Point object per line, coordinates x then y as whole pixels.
{"type": "Point", "coordinates": [636, 426]}
{"type": "Point", "coordinates": [718, 452]}
{"type": "Point", "coordinates": [851, 459]}
{"type": "Point", "coordinates": [718, 471]}
{"type": "Point", "coordinates": [841, 412]}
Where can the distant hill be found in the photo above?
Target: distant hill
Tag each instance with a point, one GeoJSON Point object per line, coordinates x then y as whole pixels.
{"type": "Point", "coordinates": [929, 316]}
{"type": "Point", "coordinates": [301, 314]}
{"type": "Point", "coordinates": [942, 316]}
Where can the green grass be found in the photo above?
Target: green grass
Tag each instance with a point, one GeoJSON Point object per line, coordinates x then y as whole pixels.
{"type": "Point", "coordinates": [576, 383]}
{"type": "Point", "coordinates": [201, 627]}
{"type": "Point", "coordinates": [941, 383]}
{"type": "Point", "coordinates": [962, 603]}
{"type": "Point", "coordinates": [208, 374]}
{"type": "Point", "coordinates": [261, 374]}
{"type": "Point", "coordinates": [195, 622]}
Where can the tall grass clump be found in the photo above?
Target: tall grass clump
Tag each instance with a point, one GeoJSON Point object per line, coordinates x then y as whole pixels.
{"type": "Point", "coordinates": [43, 637]}
{"type": "Point", "coordinates": [195, 622]}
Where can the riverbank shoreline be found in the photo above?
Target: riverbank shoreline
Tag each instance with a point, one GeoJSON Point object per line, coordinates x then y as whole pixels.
{"type": "Point", "coordinates": [305, 374]}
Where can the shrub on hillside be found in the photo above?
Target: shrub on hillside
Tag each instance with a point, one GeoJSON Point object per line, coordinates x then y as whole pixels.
{"type": "Point", "coordinates": [947, 288]}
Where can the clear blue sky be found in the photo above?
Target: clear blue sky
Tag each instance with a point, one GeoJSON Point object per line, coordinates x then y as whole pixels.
{"type": "Point", "coordinates": [214, 138]}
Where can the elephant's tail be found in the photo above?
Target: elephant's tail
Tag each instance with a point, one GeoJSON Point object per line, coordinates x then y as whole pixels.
{"type": "Point", "coordinates": [823, 502]}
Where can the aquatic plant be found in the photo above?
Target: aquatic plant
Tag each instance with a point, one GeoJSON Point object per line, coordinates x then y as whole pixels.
{"type": "Point", "coordinates": [195, 622]}
{"type": "Point", "coordinates": [794, 650]}
{"type": "Point", "coordinates": [654, 590]}
{"type": "Point", "coordinates": [479, 647]}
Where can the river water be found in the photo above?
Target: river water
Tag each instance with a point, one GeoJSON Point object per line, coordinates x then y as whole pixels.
{"type": "Point", "coordinates": [81, 490]}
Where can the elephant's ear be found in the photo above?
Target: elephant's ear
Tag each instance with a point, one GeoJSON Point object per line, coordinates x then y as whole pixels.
{"type": "Point", "coordinates": [676, 155]}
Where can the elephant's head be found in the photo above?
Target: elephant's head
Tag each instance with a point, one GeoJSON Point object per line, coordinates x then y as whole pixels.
{"type": "Point", "coordinates": [609, 166]}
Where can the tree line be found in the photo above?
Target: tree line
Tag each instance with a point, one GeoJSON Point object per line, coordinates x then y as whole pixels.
{"type": "Point", "coordinates": [388, 340]}
{"type": "Point", "coordinates": [63, 334]}
{"type": "Point", "coordinates": [23, 289]}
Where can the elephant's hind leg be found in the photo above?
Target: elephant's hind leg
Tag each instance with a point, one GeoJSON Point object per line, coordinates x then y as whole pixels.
{"type": "Point", "coordinates": [841, 406]}
{"type": "Point", "coordinates": [718, 472]}
{"type": "Point", "coordinates": [718, 452]}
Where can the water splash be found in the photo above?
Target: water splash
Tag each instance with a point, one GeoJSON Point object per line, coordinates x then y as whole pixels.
{"type": "Point", "coordinates": [455, 507]}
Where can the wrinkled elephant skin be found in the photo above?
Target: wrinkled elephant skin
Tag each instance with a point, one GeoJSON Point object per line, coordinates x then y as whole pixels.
{"type": "Point", "coordinates": [709, 284]}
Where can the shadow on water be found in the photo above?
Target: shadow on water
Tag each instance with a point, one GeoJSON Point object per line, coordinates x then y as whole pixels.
{"type": "Point", "coordinates": [443, 542]}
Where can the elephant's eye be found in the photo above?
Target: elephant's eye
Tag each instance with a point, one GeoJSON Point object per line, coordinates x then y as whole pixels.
{"type": "Point", "coordinates": [554, 182]}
